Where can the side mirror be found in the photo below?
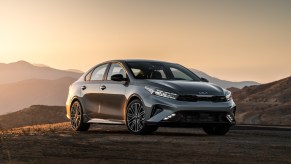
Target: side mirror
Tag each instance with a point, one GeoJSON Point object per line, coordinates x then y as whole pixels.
{"type": "Point", "coordinates": [204, 80]}
{"type": "Point", "coordinates": [118, 77]}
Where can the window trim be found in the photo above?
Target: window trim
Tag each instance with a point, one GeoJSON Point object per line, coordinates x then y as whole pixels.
{"type": "Point", "coordinates": [93, 69]}
{"type": "Point", "coordinates": [121, 65]}
{"type": "Point", "coordinates": [89, 72]}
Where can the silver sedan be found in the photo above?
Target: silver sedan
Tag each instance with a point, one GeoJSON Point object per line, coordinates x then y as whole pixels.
{"type": "Point", "coordinates": [145, 95]}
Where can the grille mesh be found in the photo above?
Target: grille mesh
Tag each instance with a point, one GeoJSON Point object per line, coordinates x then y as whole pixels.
{"type": "Point", "coordinates": [194, 98]}
{"type": "Point", "coordinates": [191, 117]}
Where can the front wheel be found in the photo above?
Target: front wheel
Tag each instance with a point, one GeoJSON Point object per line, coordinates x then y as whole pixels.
{"type": "Point", "coordinates": [216, 130]}
{"type": "Point", "coordinates": [135, 119]}
{"type": "Point", "coordinates": [77, 118]}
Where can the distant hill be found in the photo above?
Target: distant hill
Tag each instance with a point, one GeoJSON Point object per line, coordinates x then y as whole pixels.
{"type": "Point", "coordinates": [265, 104]}
{"type": "Point", "coordinates": [22, 70]}
{"type": "Point", "coordinates": [224, 83]}
{"type": "Point", "coordinates": [233, 89]}
{"type": "Point", "coordinates": [18, 95]}
{"type": "Point", "coordinates": [34, 115]}
{"type": "Point", "coordinates": [75, 70]}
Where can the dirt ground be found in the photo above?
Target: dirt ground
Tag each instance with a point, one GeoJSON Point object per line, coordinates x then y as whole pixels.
{"type": "Point", "coordinates": [113, 144]}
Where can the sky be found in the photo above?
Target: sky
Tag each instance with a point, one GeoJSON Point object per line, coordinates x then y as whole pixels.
{"type": "Point", "coordinates": [232, 40]}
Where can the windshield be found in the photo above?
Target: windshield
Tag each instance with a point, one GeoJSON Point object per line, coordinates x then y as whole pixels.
{"type": "Point", "coordinates": [161, 71]}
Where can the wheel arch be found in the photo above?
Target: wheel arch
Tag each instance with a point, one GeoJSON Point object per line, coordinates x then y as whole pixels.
{"type": "Point", "coordinates": [74, 99]}
{"type": "Point", "coordinates": [129, 100]}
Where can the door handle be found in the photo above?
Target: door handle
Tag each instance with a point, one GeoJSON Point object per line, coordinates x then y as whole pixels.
{"type": "Point", "coordinates": [83, 87]}
{"type": "Point", "coordinates": [103, 87]}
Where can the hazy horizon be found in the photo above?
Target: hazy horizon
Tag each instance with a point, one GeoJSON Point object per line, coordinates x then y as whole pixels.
{"type": "Point", "coordinates": [232, 40]}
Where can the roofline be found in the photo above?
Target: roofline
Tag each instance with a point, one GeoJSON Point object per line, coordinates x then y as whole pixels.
{"type": "Point", "coordinates": [135, 60]}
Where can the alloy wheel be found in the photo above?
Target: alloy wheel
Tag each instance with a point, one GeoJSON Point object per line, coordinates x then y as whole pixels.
{"type": "Point", "coordinates": [76, 115]}
{"type": "Point", "coordinates": [135, 117]}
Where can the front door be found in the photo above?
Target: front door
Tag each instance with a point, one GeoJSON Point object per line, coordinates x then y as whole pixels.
{"type": "Point", "coordinates": [113, 94]}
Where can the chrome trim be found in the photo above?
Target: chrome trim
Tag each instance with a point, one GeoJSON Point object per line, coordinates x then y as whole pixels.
{"type": "Point", "coordinates": [204, 95]}
{"type": "Point", "coordinates": [102, 121]}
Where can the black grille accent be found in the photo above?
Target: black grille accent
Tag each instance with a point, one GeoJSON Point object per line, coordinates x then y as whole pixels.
{"type": "Point", "coordinates": [198, 117]}
{"type": "Point", "coordinates": [156, 110]}
{"type": "Point", "coordinates": [194, 98]}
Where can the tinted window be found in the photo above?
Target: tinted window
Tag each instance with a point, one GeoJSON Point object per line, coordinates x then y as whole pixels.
{"type": "Point", "coordinates": [146, 71]}
{"type": "Point", "coordinates": [178, 74]}
{"type": "Point", "coordinates": [98, 73]}
{"type": "Point", "coordinates": [160, 70]}
{"type": "Point", "coordinates": [115, 69]}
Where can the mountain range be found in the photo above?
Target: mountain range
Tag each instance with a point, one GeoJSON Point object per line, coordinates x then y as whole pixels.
{"type": "Point", "coordinates": [224, 83]}
{"type": "Point", "coordinates": [22, 70]}
{"type": "Point", "coordinates": [19, 95]}
{"type": "Point", "coordinates": [23, 84]}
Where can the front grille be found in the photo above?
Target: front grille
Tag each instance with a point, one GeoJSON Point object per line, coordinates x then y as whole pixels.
{"type": "Point", "coordinates": [194, 98]}
{"type": "Point", "coordinates": [195, 116]}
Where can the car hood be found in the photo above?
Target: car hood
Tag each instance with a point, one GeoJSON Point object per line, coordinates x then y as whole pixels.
{"type": "Point", "coordinates": [188, 87]}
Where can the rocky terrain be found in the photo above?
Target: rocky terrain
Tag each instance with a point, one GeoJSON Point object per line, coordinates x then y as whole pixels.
{"type": "Point", "coordinates": [34, 115]}
{"type": "Point", "coordinates": [264, 104]}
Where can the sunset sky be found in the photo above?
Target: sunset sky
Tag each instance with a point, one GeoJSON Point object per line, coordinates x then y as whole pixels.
{"type": "Point", "coordinates": [232, 40]}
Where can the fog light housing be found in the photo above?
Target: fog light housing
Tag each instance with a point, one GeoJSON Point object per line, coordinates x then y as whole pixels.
{"type": "Point", "coordinates": [229, 117]}
{"type": "Point", "coordinates": [170, 116]}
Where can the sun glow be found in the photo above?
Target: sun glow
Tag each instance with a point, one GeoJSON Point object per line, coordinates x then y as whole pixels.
{"type": "Point", "coordinates": [219, 38]}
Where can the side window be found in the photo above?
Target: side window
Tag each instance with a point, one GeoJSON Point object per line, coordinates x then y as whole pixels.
{"type": "Point", "coordinates": [88, 76]}
{"type": "Point", "coordinates": [179, 75]}
{"type": "Point", "coordinates": [115, 69]}
{"type": "Point", "coordinates": [136, 71]}
{"type": "Point", "coordinates": [98, 73]}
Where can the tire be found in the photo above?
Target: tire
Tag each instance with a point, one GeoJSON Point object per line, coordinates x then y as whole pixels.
{"type": "Point", "coordinates": [135, 119]}
{"type": "Point", "coordinates": [77, 123]}
{"type": "Point", "coordinates": [216, 130]}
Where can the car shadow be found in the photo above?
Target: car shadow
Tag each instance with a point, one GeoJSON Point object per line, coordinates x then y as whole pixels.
{"type": "Point", "coordinates": [157, 133]}
{"type": "Point", "coordinates": [178, 134]}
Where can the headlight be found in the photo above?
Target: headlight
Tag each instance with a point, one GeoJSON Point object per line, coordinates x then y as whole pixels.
{"type": "Point", "coordinates": [161, 93]}
{"type": "Point", "coordinates": [228, 95]}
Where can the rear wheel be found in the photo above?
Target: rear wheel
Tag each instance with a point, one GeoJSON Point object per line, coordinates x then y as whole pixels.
{"type": "Point", "coordinates": [135, 119]}
{"type": "Point", "coordinates": [77, 118]}
{"type": "Point", "coordinates": [216, 130]}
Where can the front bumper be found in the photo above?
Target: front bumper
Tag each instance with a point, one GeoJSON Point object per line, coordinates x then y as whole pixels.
{"type": "Point", "coordinates": [196, 119]}
{"type": "Point", "coordinates": [173, 113]}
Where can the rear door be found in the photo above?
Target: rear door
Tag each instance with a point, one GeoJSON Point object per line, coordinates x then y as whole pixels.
{"type": "Point", "coordinates": [113, 93]}
{"type": "Point", "coordinates": [90, 91]}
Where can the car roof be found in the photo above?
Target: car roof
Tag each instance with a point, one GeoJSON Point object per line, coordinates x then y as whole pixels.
{"type": "Point", "coordinates": [136, 60]}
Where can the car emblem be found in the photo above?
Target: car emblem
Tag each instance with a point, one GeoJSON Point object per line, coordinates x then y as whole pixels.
{"type": "Point", "coordinates": [202, 93]}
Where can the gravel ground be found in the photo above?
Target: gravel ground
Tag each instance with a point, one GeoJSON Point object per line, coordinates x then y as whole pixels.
{"type": "Point", "coordinates": [114, 144]}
